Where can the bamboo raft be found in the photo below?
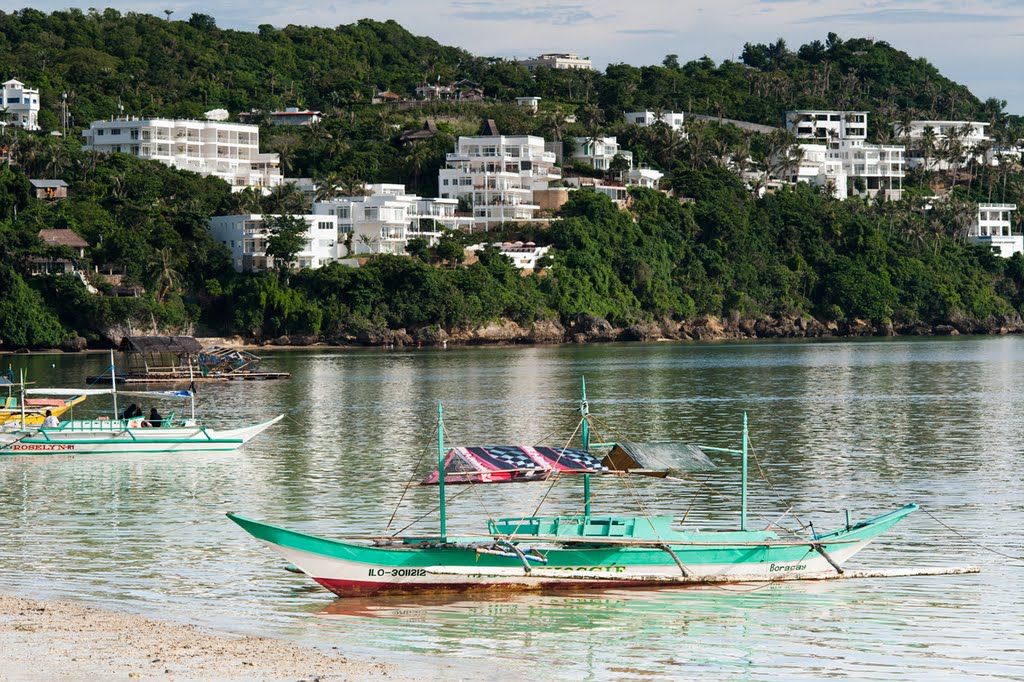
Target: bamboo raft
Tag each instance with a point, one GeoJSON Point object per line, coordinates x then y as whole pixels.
{"type": "Point", "coordinates": [177, 376]}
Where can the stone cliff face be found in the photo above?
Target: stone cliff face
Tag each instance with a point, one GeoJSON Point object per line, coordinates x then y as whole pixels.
{"type": "Point", "coordinates": [593, 329]}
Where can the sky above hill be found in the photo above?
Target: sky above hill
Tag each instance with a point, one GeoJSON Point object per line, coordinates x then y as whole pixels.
{"type": "Point", "coordinates": [978, 44]}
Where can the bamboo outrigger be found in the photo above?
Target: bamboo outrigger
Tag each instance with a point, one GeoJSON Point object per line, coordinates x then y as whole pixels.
{"type": "Point", "coordinates": [588, 550]}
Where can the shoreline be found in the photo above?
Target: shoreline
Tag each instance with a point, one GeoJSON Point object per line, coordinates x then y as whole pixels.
{"type": "Point", "coordinates": [58, 639]}
{"type": "Point", "coordinates": [588, 329]}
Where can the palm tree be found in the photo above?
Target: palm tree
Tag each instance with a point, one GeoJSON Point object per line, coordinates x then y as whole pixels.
{"type": "Point", "coordinates": [286, 198]}
{"type": "Point", "coordinates": [246, 200]}
{"type": "Point", "coordinates": [161, 269]}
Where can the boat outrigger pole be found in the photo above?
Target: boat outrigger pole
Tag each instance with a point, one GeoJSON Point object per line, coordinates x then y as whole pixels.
{"type": "Point", "coordinates": [585, 432]}
{"type": "Point", "coordinates": [440, 468]}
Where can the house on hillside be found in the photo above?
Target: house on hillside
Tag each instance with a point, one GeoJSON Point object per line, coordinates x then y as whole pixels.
{"type": "Point", "coordinates": [428, 131]}
{"type": "Point", "coordinates": [878, 167]}
{"type": "Point", "coordinates": [531, 104]}
{"type": "Point", "coordinates": [20, 105]}
{"type": "Point", "coordinates": [49, 190]}
{"type": "Point", "coordinates": [497, 174]}
{"type": "Point", "coordinates": [291, 116]}
{"type": "Point", "coordinates": [246, 237]}
{"type": "Point", "coordinates": [932, 142]}
{"type": "Point", "coordinates": [384, 220]}
{"type": "Point", "coordinates": [58, 265]}
{"type": "Point", "coordinates": [643, 119]}
{"type": "Point", "coordinates": [993, 227]}
{"type": "Point", "coordinates": [557, 60]}
{"type": "Point", "coordinates": [600, 152]}
{"type": "Point", "coordinates": [230, 151]}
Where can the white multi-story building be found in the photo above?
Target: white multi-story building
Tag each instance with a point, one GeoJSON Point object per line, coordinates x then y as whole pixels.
{"type": "Point", "coordinates": [384, 220]}
{"type": "Point", "coordinates": [230, 151]}
{"type": "Point", "coordinates": [970, 135]}
{"type": "Point", "coordinates": [818, 169]}
{"type": "Point", "coordinates": [844, 135]}
{"type": "Point", "coordinates": [497, 175]}
{"type": "Point", "coordinates": [557, 60]}
{"type": "Point", "coordinates": [599, 152]}
{"type": "Point", "coordinates": [825, 126]}
{"type": "Point", "coordinates": [246, 237]}
{"type": "Point", "coordinates": [672, 119]}
{"type": "Point", "coordinates": [20, 104]}
{"type": "Point", "coordinates": [993, 227]}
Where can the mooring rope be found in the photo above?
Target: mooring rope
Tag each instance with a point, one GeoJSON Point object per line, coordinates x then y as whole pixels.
{"type": "Point", "coordinates": [970, 541]}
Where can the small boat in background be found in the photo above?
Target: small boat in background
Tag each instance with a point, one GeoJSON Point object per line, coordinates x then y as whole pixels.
{"type": "Point", "coordinates": [31, 411]}
{"type": "Point", "coordinates": [580, 550]}
{"type": "Point", "coordinates": [121, 433]}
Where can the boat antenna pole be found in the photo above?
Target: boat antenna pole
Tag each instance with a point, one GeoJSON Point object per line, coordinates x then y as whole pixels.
{"type": "Point", "coordinates": [113, 381]}
{"type": "Point", "coordinates": [585, 433]}
{"type": "Point", "coordinates": [21, 377]}
{"type": "Point", "coordinates": [440, 469]}
{"type": "Point", "coordinates": [743, 475]}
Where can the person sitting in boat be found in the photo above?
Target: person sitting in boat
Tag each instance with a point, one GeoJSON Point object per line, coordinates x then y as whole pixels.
{"type": "Point", "coordinates": [154, 418]}
{"type": "Point", "coordinates": [131, 412]}
{"type": "Point", "coordinates": [50, 421]}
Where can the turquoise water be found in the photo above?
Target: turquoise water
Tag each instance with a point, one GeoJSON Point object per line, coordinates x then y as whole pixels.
{"type": "Point", "coordinates": [861, 425]}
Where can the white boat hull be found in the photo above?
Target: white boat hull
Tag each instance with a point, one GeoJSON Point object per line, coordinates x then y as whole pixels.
{"type": "Point", "coordinates": [79, 438]}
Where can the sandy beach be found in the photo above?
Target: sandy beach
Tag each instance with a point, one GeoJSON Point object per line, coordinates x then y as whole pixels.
{"type": "Point", "coordinates": [50, 640]}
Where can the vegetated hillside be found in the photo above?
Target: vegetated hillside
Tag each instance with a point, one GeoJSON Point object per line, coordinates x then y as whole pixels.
{"type": "Point", "coordinates": [148, 65]}
{"type": "Point", "coordinates": [726, 253]}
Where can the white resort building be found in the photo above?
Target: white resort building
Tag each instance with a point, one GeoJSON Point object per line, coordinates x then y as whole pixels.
{"type": "Point", "coordinates": [523, 256]}
{"type": "Point", "coordinates": [672, 119]}
{"type": "Point", "coordinates": [599, 152]}
{"type": "Point", "coordinates": [557, 60]}
{"type": "Point", "coordinates": [993, 227]}
{"type": "Point", "coordinates": [928, 142]}
{"type": "Point", "coordinates": [497, 175]}
{"type": "Point", "coordinates": [844, 135]}
{"type": "Point", "coordinates": [246, 238]}
{"type": "Point", "coordinates": [384, 220]}
{"type": "Point", "coordinates": [20, 104]}
{"type": "Point", "coordinates": [230, 151]}
{"type": "Point", "coordinates": [818, 169]}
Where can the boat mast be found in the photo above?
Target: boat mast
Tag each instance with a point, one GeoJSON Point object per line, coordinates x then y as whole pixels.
{"type": "Point", "coordinates": [440, 468]}
{"type": "Point", "coordinates": [743, 475]}
{"type": "Point", "coordinates": [113, 382]}
{"type": "Point", "coordinates": [585, 432]}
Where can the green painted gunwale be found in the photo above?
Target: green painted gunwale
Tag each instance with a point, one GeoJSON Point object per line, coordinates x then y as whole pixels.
{"type": "Point", "coordinates": [730, 552]}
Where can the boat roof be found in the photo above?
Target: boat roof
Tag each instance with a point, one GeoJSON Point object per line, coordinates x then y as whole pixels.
{"type": "Point", "coordinates": [160, 344]}
{"type": "Point", "coordinates": [507, 463]}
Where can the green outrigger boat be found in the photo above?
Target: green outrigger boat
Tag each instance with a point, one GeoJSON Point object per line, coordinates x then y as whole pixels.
{"type": "Point", "coordinates": [577, 551]}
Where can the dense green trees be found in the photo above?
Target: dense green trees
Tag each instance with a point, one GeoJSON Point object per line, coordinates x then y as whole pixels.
{"type": "Point", "coordinates": [722, 251]}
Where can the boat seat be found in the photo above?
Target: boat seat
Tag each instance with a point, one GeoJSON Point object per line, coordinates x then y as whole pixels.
{"type": "Point", "coordinates": [166, 424]}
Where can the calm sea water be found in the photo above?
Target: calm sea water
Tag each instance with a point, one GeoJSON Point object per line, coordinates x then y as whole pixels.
{"type": "Point", "coordinates": [860, 425]}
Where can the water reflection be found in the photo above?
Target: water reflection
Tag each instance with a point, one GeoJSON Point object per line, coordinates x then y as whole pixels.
{"type": "Point", "coordinates": [861, 425]}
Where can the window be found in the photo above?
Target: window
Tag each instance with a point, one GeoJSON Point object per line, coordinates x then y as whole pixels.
{"type": "Point", "coordinates": [13, 100]}
{"type": "Point", "coordinates": [101, 131]}
{"type": "Point", "coordinates": [115, 131]}
{"type": "Point", "coordinates": [134, 134]}
{"type": "Point", "coordinates": [324, 226]}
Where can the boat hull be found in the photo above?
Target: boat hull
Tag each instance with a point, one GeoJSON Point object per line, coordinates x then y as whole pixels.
{"type": "Point", "coordinates": [84, 441]}
{"type": "Point", "coordinates": [350, 569]}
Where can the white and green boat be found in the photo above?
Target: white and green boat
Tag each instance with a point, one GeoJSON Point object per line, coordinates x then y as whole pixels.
{"type": "Point", "coordinates": [577, 551]}
{"type": "Point", "coordinates": [116, 435]}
